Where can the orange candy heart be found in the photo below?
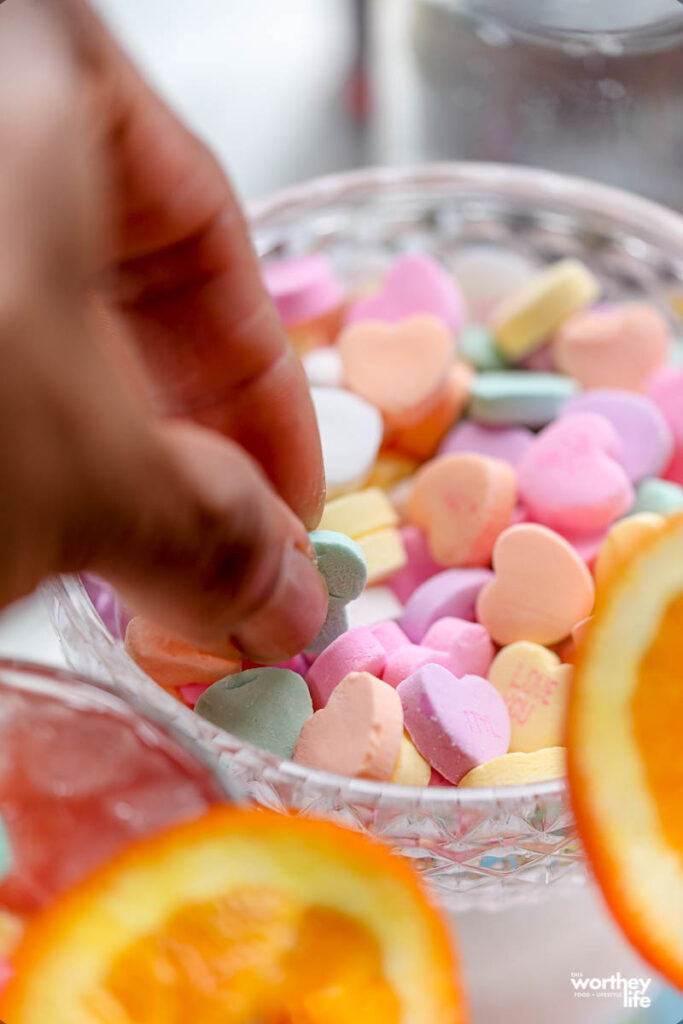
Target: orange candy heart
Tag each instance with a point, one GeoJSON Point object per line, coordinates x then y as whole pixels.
{"type": "Point", "coordinates": [541, 590]}
{"type": "Point", "coordinates": [401, 369]}
{"type": "Point", "coordinates": [463, 502]}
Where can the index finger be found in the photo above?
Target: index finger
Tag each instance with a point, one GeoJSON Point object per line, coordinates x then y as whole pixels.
{"type": "Point", "coordinates": [186, 279]}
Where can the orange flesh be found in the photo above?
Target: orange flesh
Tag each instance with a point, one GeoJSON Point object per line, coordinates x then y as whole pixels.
{"type": "Point", "coordinates": [656, 709]}
{"type": "Point", "coordinates": [253, 955]}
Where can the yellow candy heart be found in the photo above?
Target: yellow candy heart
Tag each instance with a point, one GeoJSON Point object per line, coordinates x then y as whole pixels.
{"type": "Point", "coordinates": [518, 769]}
{"type": "Point", "coordinates": [411, 768]}
{"type": "Point", "coordinates": [534, 684]}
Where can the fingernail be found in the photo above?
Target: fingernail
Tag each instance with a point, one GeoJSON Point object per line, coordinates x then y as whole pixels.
{"type": "Point", "coordinates": [292, 617]}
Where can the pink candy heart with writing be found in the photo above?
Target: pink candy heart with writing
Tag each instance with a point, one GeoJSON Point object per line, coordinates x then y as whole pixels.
{"type": "Point", "coordinates": [415, 284]}
{"type": "Point", "coordinates": [571, 480]}
{"type": "Point", "coordinates": [454, 723]}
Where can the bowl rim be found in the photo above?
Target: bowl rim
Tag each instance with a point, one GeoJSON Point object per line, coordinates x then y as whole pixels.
{"type": "Point", "coordinates": [634, 212]}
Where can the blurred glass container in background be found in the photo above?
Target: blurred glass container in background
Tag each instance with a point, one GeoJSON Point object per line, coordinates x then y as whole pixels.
{"type": "Point", "coordinates": [590, 87]}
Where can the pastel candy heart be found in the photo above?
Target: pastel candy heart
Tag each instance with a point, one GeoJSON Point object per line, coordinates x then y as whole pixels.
{"type": "Point", "coordinates": [415, 284]}
{"type": "Point", "coordinates": [420, 565]}
{"type": "Point", "coordinates": [421, 439]}
{"type": "Point", "coordinates": [302, 288]}
{"type": "Point", "coordinates": [454, 723]}
{"type": "Point", "coordinates": [401, 369]}
{"type": "Point", "coordinates": [666, 390]}
{"type": "Point", "coordinates": [661, 496]}
{"type": "Point", "coordinates": [359, 733]}
{"type": "Point", "coordinates": [510, 397]}
{"type": "Point", "coordinates": [359, 513]}
{"type": "Point", "coordinates": [341, 563]}
{"type": "Point", "coordinates": [468, 644]}
{"type": "Point", "coordinates": [617, 346]}
{"type": "Point", "coordinates": [171, 661]}
{"type": "Point", "coordinates": [390, 635]}
{"type": "Point", "coordinates": [623, 539]}
{"type": "Point", "coordinates": [541, 588]}
{"type": "Point", "coordinates": [478, 346]}
{"type": "Point", "coordinates": [570, 478]}
{"type": "Point", "coordinates": [506, 443]}
{"type": "Point", "coordinates": [263, 706]}
{"type": "Point", "coordinates": [411, 768]}
{"type": "Point", "coordinates": [463, 502]}
{"type": "Point", "coordinates": [406, 660]}
{"type": "Point", "coordinates": [646, 439]}
{"type": "Point", "coordinates": [526, 318]}
{"type": "Point", "coordinates": [452, 593]}
{"type": "Point", "coordinates": [350, 432]}
{"type": "Point", "coordinates": [519, 769]}
{"type": "Point", "coordinates": [535, 687]}
{"type": "Point", "coordinates": [355, 651]}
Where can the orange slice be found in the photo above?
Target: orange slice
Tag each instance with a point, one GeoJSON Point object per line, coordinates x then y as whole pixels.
{"type": "Point", "coordinates": [625, 746]}
{"type": "Point", "coordinates": [237, 918]}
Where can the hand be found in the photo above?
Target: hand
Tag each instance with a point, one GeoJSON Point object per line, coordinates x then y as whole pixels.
{"type": "Point", "coordinates": [129, 294]}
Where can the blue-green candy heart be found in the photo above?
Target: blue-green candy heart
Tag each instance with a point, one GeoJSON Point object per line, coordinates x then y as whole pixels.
{"type": "Point", "coordinates": [342, 564]}
{"type": "Point", "coordinates": [519, 398]}
{"type": "Point", "coordinates": [655, 495]}
{"type": "Point", "coordinates": [264, 706]}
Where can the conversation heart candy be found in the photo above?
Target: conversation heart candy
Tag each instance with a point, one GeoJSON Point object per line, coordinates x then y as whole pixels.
{"type": "Point", "coordinates": [468, 644]}
{"type": "Point", "coordinates": [406, 660]}
{"type": "Point", "coordinates": [302, 288]}
{"type": "Point", "coordinates": [452, 593]}
{"type": "Point", "coordinates": [463, 502]}
{"type": "Point", "coordinates": [342, 565]}
{"type": "Point", "coordinates": [541, 588]}
{"type": "Point", "coordinates": [523, 321]}
{"type": "Point", "coordinates": [519, 769]}
{"type": "Point", "coordinates": [665, 388]}
{"type": "Point", "coordinates": [390, 635]}
{"type": "Point", "coordinates": [359, 733]}
{"type": "Point", "coordinates": [478, 346]}
{"type": "Point", "coordinates": [617, 346]}
{"type": "Point", "coordinates": [191, 692]}
{"type": "Point", "coordinates": [662, 496]}
{"type": "Point", "coordinates": [454, 723]}
{"type": "Point", "coordinates": [570, 478]}
{"type": "Point", "coordinates": [506, 443]}
{"type": "Point", "coordinates": [415, 284]}
{"type": "Point", "coordinates": [623, 539]}
{"type": "Point", "coordinates": [419, 565]}
{"type": "Point", "coordinates": [350, 432]}
{"type": "Point", "coordinates": [646, 438]}
{"type": "Point", "coordinates": [171, 661]}
{"type": "Point", "coordinates": [512, 398]}
{"type": "Point", "coordinates": [390, 469]}
{"type": "Point", "coordinates": [355, 651]}
{"type": "Point", "coordinates": [535, 687]}
{"type": "Point", "coordinates": [411, 768]}
{"type": "Point", "coordinates": [359, 512]}
{"type": "Point", "coordinates": [400, 368]}
{"type": "Point", "coordinates": [384, 553]}
{"type": "Point", "coordinates": [263, 706]}
{"type": "Point", "coordinates": [421, 439]}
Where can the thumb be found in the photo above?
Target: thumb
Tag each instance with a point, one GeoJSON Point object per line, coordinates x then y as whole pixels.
{"type": "Point", "coordinates": [201, 544]}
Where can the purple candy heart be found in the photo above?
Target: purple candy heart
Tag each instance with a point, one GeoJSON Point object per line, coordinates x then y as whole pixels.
{"type": "Point", "coordinates": [451, 593]}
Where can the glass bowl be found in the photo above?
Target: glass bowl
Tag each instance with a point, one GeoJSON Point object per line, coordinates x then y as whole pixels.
{"type": "Point", "coordinates": [477, 847]}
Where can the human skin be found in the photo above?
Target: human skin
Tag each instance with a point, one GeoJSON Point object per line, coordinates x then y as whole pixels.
{"type": "Point", "coordinates": [154, 424]}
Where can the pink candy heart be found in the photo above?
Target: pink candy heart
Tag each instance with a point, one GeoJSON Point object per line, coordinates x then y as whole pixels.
{"type": "Point", "coordinates": [415, 284]}
{"type": "Point", "coordinates": [570, 478]}
{"type": "Point", "coordinates": [454, 723]}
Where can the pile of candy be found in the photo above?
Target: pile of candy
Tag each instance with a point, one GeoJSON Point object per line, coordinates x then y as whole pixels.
{"type": "Point", "coordinates": [494, 445]}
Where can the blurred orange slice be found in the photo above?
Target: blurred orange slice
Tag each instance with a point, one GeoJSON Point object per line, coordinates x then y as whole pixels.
{"type": "Point", "coordinates": [242, 917]}
{"type": "Point", "coordinates": [625, 746]}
